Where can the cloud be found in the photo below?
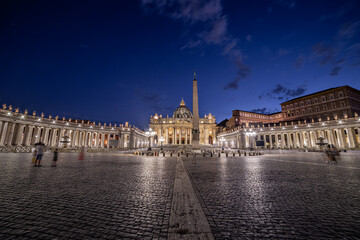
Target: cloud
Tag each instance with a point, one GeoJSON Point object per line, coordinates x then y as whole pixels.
{"type": "Point", "coordinates": [291, 4]}
{"type": "Point", "coordinates": [234, 85]}
{"type": "Point", "coordinates": [299, 63]}
{"type": "Point", "coordinates": [207, 19]}
{"type": "Point", "coordinates": [335, 71]}
{"type": "Point", "coordinates": [342, 49]}
{"type": "Point", "coordinates": [326, 53]}
{"type": "Point", "coordinates": [152, 99]}
{"type": "Point", "coordinates": [264, 110]}
{"type": "Point", "coordinates": [280, 92]}
{"type": "Point", "coordinates": [249, 38]}
{"type": "Point", "coordinates": [348, 30]}
{"type": "Point", "coordinates": [283, 52]}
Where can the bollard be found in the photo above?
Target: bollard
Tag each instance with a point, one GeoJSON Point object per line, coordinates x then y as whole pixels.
{"type": "Point", "coordinates": [211, 154]}
{"type": "Point", "coordinates": [227, 154]}
{"type": "Point", "coordinates": [203, 154]}
{"type": "Point", "coordinates": [244, 153]}
{"type": "Point", "coordinates": [219, 155]}
{"type": "Point", "coordinates": [170, 154]}
{"type": "Point", "coordinates": [233, 154]}
{"type": "Point", "coordinates": [163, 154]}
{"type": "Point", "coordinates": [178, 154]}
{"type": "Point", "coordinates": [187, 154]}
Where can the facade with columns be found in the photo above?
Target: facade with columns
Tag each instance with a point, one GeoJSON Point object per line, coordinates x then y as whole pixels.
{"type": "Point", "coordinates": [177, 130]}
{"type": "Point", "coordinates": [20, 129]}
{"type": "Point", "coordinates": [342, 133]}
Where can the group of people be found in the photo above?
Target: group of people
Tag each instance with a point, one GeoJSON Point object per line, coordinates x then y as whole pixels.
{"type": "Point", "coordinates": [38, 154]}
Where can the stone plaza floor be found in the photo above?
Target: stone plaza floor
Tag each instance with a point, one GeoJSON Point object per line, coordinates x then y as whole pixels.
{"type": "Point", "coordinates": [113, 196]}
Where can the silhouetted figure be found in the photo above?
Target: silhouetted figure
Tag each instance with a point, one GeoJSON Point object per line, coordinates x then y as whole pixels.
{"type": "Point", "coordinates": [82, 154]}
{"type": "Point", "coordinates": [55, 158]}
{"type": "Point", "coordinates": [40, 152]}
{"type": "Point", "coordinates": [33, 160]}
{"type": "Point", "coordinates": [332, 153]}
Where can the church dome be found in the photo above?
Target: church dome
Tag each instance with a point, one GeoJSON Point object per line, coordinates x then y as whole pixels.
{"type": "Point", "coordinates": [182, 111]}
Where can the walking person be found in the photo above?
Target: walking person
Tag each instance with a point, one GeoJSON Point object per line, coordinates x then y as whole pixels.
{"type": "Point", "coordinates": [55, 158]}
{"type": "Point", "coordinates": [34, 154]}
{"type": "Point", "coordinates": [40, 152]}
{"type": "Point", "coordinates": [332, 153]}
{"type": "Point", "coordinates": [81, 155]}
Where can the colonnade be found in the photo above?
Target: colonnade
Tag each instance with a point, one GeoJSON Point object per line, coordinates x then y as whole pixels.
{"type": "Point", "coordinates": [340, 133]}
{"type": "Point", "coordinates": [24, 130]}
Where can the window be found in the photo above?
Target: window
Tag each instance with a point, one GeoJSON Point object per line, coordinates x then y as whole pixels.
{"type": "Point", "coordinates": [303, 111]}
{"type": "Point", "coordinates": [317, 109]}
{"type": "Point", "coordinates": [308, 102]}
{"type": "Point", "coordinates": [296, 105]}
{"type": "Point", "coordinates": [302, 104]}
{"type": "Point", "coordinates": [342, 104]}
{"type": "Point", "coordinates": [323, 98]}
{"type": "Point", "coordinates": [331, 96]}
{"type": "Point", "coordinates": [341, 94]}
{"type": "Point", "coordinates": [291, 106]}
{"type": "Point", "coordinates": [315, 100]}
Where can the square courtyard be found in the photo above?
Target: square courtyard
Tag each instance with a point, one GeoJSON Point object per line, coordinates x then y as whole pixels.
{"type": "Point", "coordinates": [287, 195]}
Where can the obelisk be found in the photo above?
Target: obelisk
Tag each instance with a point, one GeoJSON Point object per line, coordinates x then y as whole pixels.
{"type": "Point", "coordinates": [195, 130]}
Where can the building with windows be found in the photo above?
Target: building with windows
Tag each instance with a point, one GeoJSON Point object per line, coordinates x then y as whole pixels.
{"type": "Point", "coordinates": [332, 103]}
{"type": "Point", "coordinates": [177, 130]}
{"type": "Point", "coordinates": [331, 116]}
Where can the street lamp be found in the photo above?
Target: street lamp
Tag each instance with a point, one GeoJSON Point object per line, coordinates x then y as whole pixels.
{"type": "Point", "coordinates": [150, 133]}
{"type": "Point", "coordinates": [161, 140]}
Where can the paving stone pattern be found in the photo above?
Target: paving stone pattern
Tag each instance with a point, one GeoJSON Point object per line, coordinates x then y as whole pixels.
{"type": "Point", "coordinates": [295, 196]}
{"type": "Point", "coordinates": [106, 196]}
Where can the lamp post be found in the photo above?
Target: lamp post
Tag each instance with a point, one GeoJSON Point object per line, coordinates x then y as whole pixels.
{"type": "Point", "coordinates": [161, 140]}
{"type": "Point", "coordinates": [150, 133]}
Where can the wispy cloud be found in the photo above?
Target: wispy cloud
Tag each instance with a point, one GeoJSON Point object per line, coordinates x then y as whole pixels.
{"type": "Point", "coordinates": [340, 50]}
{"type": "Point", "coordinates": [153, 99]}
{"type": "Point", "coordinates": [280, 92]}
{"type": "Point", "coordinates": [264, 110]}
{"type": "Point", "coordinates": [283, 52]}
{"type": "Point", "coordinates": [207, 16]}
{"type": "Point", "coordinates": [300, 60]}
{"type": "Point", "coordinates": [249, 38]}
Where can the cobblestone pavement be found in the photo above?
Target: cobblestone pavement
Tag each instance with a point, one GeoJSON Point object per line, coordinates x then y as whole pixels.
{"type": "Point", "coordinates": [280, 196]}
{"type": "Point", "coordinates": [106, 196]}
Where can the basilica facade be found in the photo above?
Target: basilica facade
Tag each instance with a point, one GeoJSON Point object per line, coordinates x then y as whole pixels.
{"type": "Point", "coordinates": [177, 130]}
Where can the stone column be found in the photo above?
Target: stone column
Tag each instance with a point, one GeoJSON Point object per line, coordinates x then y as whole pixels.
{"type": "Point", "coordinates": [1, 124]}
{"type": "Point", "coordinates": [277, 140]}
{"type": "Point", "coordinates": [45, 133]}
{"type": "Point", "coordinates": [270, 141]}
{"type": "Point", "coordinates": [97, 139]}
{"type": "Point", "coordinates": [19, 136]}
{"type": "Point", "coordinates": [352, 138]}
{"type": "Point", "coordinates": [3, 134]}
{"type": "Point", "coordinates": [289, 140]}
{"type": "Point", "coordinates": [342, 138]}
{"type": "Point", "coordinates": [29, 136]}
{"type": "Point", "coordinates": [10, 135]}
{"type": "Point", "coordinates": [102, 140]}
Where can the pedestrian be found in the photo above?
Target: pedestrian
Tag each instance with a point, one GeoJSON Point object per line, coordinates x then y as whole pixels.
{"type": "Point", "coordinates": [56, 151]}
{"type": "Point", "coordinates": [40, 152]}
{"type": "Point", "coordinates": [33, 160]}
{"type": "Point", "coordinates": [332, 153]}
{"type": "Point", "coordinates": [81, 155]}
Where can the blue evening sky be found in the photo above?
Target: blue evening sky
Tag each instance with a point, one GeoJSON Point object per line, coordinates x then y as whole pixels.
{"type": "Point", "coordinates": [117, 61]}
